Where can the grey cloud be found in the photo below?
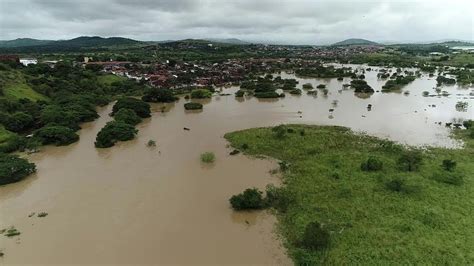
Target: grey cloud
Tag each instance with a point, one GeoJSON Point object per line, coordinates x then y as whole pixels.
{"type": "Point", "coordinates": [279, 21]}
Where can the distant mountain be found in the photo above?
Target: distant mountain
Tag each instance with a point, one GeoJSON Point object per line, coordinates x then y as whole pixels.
{"type": "Point", "coordinates": [23, 42]}
{"type": "Point", "coordinates": [96, 41]}
{"type": "Point", "coordinates": [72, 45]}
{"type": "Point", "coordinates": [354, 42]}
{"type": "Point", "coordinates": [228, 41]}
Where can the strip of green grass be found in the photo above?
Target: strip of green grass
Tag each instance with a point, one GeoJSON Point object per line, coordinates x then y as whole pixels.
{"type": "Point", "coordinates": [16, 87]}
{"type": "Point", "coordinates": [429, 223]}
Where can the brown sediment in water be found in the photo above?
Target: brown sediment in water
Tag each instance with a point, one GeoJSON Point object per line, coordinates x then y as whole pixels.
{"type": "Point", "coordinates": [135, 204]}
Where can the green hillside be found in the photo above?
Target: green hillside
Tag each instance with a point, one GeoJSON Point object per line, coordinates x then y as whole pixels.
{"type": "Point", "coordinates": [14, 86]}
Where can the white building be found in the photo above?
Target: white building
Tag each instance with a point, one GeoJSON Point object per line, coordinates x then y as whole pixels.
{"type": "Point", "coordinates": [28, 61]}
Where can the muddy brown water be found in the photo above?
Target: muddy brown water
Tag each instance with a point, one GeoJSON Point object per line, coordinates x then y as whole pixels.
{"type": "Point", "coordinates": [137, 205]}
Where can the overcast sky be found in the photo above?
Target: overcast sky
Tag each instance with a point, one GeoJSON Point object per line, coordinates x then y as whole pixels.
{"type": "Point", "coordinates": [273, 21]}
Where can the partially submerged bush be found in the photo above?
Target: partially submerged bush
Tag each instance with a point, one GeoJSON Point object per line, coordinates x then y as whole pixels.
{"type": "Point", "coordinates": [208, 157]}
{"type": "Point", "coordinates": [114, 131]}
{"type": "Point", "coordinates": [192, 106]}
{"type": "Point", "coordinates": [250, 199]}
{"type": "Point", "coordinates": [58, 135]}
{"type": "Point", "coordinates": [315, 237]}
{"type": "Point", "coordinates": [201, 94]}
{"type": "Point", "coordinates": [296, 92]}
{"type": "Point", "coordinates": [372, 164]}
{"type": "Point", "coordinates": [128, 116]}
{"type": "Point", "coordinates": [410, 160]}
{"type": "Point", "coordinates": [160, 95]}
{"type": "Point", "coordinates": [151, 143]}
{"type": "Point", "coordinates": [307, 86]}
{"type": "Point", "coordinates": [14, 168]}
{"type": "Point", "coordinates": [141, 108]}
{"type": "Point", "coordinates": [240, 93]}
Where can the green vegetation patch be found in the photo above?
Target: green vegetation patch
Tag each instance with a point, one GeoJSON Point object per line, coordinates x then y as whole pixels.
{"type": "Point", "coordinates": [14, 168]}
{"type": "Point", "coordinates": [355, 199]}
{"type": "Point", "coordinates": [15, 87]}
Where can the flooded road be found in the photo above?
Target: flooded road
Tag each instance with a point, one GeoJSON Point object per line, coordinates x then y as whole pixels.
{"type": "Point", "coordinates": [133, 204]}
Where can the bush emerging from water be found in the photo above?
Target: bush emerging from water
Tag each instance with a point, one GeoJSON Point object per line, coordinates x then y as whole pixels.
{"type": "Point", "coordinates": [141, 108]}
{"type": "Point", "coordinates": [14, 168]}
{"type": "Point", "coordinates": [250, 199]}
{"type": "Point", "coordinates": [201, 94]}
{"type": "Point", "coordinates": [114, 131]}
{"type": "Point", "coordinates": [315, 237]}
{"type": "Point", "coordinates": [267, 94]}
{"type": "Point", "coordinates": [308, 86]}
{"type": "Point", "coordinates": [296, 92]}
{"type": "Point", "coordinates": [57, 135]}
{"type": "Point", "coordinates": [159, 95]}
{"type": "Point", "coordinates": [240, 93]}
{"type": "Point", "coordinates": [192, 106]}
{"type": "Point", "coordinates": [208, 157]}
{"type": "Point", "coordinates": [372, 164]}
{"type": "Point", "coordinates": [128, 116]}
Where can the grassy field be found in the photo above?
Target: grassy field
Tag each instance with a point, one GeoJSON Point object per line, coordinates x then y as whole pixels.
{"type": "Point", "coordinates": [426, 219]}
{"type": "Point", "coordinates": [15, 87]}
{"type": "Point", "coordinates": [108, 79]}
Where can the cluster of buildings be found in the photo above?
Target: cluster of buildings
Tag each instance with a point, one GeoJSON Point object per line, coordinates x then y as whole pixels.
{"type": "Point", "coordinates": [182, 74]}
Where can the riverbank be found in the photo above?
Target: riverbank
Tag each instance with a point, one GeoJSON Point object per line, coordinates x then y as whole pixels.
{"type": "Point", "coordinates": [384, 216]}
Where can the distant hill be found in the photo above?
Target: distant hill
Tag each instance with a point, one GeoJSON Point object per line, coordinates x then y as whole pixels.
{"type": "Point", "coordinates": [228, 41]}
{"type": "Point", "coordinates": [354, 42]}
{"type": "Point", "coordinates": [22, 42]}
{"type": "Point", "coordinates": [33, 45]}
{"type": "Point", "coordinates": [96, 41]}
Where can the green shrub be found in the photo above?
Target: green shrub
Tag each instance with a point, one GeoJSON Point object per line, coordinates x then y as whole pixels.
{"type": "Point", "coordinates": [151, 143]}
{"type": "Point", "coordinates": [201, 94]}
{"type": "Point", "coordinates": [128, 116]}
{"type": "Point", "coordinates": [11, 232]}
{"type": "Point", "coordinates": [449, 178]}
{"type": "Point", "coordinates": [267, 94]}
{"type": "Point", "coordinates": [14, 168]}
{"type": "Point", "coordinates": [240, 93]}
{"type": "Point", "coordinates": [208, 157]}
{"type": "Point", "coordinates": [159, 95]}
{"type": "Point", "coordinates": [315, 237]}
{"type": "Point", "coordinates": [192, 106]}
{"type": "Point", "coordinates": [251, 198]}
{"type": "Point", "coordinates": [372, 164]}
{"type": "Point", "coordinates": [448, 165]}
{"type": "Point", "coordinates": [321, 86]}
{"type": "Point", "coordinates": [57, 135]}
{"type": "Point", "coordinates": [18, 122]}
{"type": "Point", "coordinates": [280, 131]}
{"type": "Point", "coordinates": [141, 108]}
{"type": "Point", "coordinates": [277, 197]}
{"type": "Point", "coordinates": [296, 92]}
{"type": "Point", "coordinates": [396, 184]}
{"type": "Point", "coordinates": [468, 124]}
{"type": "Point", "coordinates": [410, 160]}
{"type": "Point", "coordinates": [114, 131]}
{"type": "Point", "coordinates": [307, 86]}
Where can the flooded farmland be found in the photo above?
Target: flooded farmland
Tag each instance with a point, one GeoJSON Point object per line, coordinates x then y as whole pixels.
{"type": "Point", "coordinates": [134, 204]}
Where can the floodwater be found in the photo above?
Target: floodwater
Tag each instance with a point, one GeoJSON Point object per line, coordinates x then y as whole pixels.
{"type": "Point", "coordinates": [132, 204]}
